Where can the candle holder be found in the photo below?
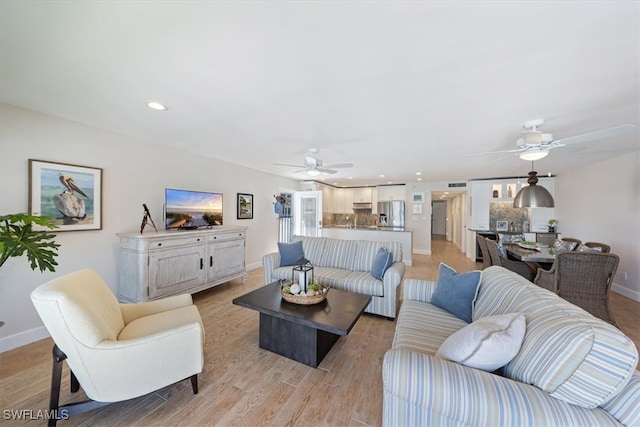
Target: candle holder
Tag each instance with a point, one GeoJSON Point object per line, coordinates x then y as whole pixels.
{"type": "Point", "coordinates": [302, 273]}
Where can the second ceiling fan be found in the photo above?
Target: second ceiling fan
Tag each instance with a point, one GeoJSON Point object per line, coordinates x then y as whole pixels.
{"type": "Point", "coordinates": [314, 166]}
{"type": "Point", "coordinates": [535, 145]}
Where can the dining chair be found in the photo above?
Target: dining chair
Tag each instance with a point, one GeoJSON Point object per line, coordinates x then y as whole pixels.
{"type": "Point", "coordinates": [116, 351]}
{"type": "Point", "coordinates": [584, 279]}
{"type": "Point", "coordinates": [486, 258]}
{"type": "Point", "coordinates": [603, 246]}
{"type": "Point", "coordinates": [520, 267]}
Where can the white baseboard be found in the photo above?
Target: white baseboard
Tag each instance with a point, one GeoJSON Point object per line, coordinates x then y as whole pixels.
{"type": "Point", "coordinates": [23, 338]}
{"type": "Point", "coordinates": [422, 251]}
{"type": "Point", "coordinates": [629, 293]}
{"type": "Point", "coordinates": [254, 265]}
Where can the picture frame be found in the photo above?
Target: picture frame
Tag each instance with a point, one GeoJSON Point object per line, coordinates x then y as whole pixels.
{"type": "Point", "coordinates": [417, 197]}
{"type": "Point", "coordinates": [417, 208]}
{"type": "Point", "coordinates": [502, 225]}
{"type": "Point", "coordinates": [71, 194]}
{"type": "Point", "coordinates": [245, 206]}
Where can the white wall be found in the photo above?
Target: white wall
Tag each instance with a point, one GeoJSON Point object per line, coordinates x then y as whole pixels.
{"type": "Point", "coordinates": [601, 203]}
{"type": "Point", "coordinates": [134, 172]}
{"type": "Point", "coordinates": [421, 224]}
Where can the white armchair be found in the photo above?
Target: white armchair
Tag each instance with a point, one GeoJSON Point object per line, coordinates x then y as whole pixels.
{"type": "Point", "coordinates": [116, 351]}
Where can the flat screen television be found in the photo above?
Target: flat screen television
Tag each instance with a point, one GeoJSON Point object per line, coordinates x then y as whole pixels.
{"type": "Point", "coordinates": [185, 209]}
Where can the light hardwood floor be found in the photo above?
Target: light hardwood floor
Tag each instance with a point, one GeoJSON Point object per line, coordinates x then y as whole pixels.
{"type": "Point", "coordinates": [242, 385]}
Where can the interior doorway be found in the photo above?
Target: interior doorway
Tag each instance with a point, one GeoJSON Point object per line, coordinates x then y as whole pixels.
{"type": "Point", "coordinates": [439, 217]}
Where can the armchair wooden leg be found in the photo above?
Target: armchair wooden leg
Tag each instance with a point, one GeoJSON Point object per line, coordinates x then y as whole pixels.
{"type": "Point", "coordinates": [75, 385]}
{"type": "Point", "coordinates": [194, 383]}
{"type": "Point", "coordinates": [56, 377]}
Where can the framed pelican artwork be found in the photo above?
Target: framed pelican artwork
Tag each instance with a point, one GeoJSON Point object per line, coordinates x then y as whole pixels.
{"type": "Point", "coordinates": [71, 194]}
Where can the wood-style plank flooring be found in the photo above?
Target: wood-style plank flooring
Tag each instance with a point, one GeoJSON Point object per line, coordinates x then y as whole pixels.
{"type": "Point", "coordinates": [242, 385]}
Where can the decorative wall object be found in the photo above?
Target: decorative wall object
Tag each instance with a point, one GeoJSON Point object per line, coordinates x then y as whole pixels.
{"type": "Point", "coordinates": [417, 208]}
{"type": "Point", "coordinates": [71, 194]}
{"type": "Point", "coordinates": [417, 197]}
{"type": "Point", "coordinates": [245, 206]}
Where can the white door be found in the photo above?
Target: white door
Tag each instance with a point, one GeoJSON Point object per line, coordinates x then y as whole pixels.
{"type": "Point", "coordinates": [307, 213]}
{"type": "Point", "coordinates": [439, 218]}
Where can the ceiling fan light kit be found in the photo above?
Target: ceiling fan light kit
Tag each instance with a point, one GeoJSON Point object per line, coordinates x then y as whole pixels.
{"type": "Point", "coordinates": [314, 166]}
{"type": "Point", "coordinates": [533, 155]}
{"type": "Point", "coordinates": [533, 195]}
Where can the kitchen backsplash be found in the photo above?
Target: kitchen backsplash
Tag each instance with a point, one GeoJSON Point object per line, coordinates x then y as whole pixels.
{"type": "Point", "coordinates": [504, 211]}
{"type": "Point", "coordinates": [359, 219]}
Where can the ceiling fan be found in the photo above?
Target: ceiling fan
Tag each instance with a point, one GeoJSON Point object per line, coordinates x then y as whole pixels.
{"type": "Point", "coordinates": [535, 145]}
{"type": "Point", "coordinates": [314, 166]}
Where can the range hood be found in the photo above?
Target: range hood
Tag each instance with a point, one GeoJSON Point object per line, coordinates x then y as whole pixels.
{"type": "Point", "coordinates": [362, 205]}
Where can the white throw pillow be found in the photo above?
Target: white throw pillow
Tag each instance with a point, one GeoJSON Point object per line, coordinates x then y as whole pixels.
{"type": "Point", "coordinates": [488, 343]}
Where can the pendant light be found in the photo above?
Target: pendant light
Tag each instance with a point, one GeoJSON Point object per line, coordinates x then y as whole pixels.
{"type": "Point", "coordinates": [533, 195]}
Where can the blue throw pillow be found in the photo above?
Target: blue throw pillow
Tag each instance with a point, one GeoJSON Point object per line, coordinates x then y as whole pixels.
{"type": "Point", "coordinates": [381, 263]}
{"type": "Point", "coordinates": [290, 253]}
{"type": "Point", "coordinates": [455, 292]}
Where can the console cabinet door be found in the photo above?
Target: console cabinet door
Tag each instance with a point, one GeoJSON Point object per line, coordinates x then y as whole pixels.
{"type": "Point", "coordinates": [226, 259]}
{"type": "Point", "coordinates": [174, 271]}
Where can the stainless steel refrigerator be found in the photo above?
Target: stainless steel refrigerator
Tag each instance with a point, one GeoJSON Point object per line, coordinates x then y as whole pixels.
{"type": "Point", "coordinates": [391, 214]}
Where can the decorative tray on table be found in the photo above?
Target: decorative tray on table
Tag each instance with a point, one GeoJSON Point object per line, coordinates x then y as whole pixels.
{"type": "Point", "coordinates": [316, 293]}
{"type": "Point", "coordinates": [527, 244]}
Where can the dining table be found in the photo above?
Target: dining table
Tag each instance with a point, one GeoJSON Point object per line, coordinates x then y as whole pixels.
{"type": "Point", "coordinates": [538, 257]}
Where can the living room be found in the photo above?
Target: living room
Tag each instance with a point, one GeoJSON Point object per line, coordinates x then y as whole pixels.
{"type": "Point", "coordinates": [598, 201]}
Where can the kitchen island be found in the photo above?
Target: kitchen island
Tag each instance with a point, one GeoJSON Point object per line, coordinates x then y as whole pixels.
{"type": "Point", "coordinates": [376, 234]}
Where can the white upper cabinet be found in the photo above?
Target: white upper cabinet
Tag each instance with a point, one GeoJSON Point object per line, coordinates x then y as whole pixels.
{"type": "Point", "coordinates": [481, 196]}
{"type": "Point", "coordinates": [391, 192]}
{"type": "Point", "coordinates": [362, 194]}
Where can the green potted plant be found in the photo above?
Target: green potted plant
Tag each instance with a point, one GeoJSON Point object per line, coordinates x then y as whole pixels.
{"type": "Point", "coordinates": [18, 237]}
{"type": "Point", "coordinates": [552, 225]}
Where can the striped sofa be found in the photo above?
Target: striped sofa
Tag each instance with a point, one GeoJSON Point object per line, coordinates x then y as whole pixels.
{"type": "Point", "coordinates": [346, 265]}
{"type": "Point", "coordinates": [573, 369]}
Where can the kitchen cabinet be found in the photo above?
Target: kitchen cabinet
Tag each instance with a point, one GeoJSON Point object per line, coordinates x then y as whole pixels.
{"type": "Point", "coordinates": [343, 202]}
{"type": "Point", "coordinates": [481, 196]}
{"type": "Point", "coordinates": [328, 196]}
{"type": "Point", "coordinates": [171, 262]}
{"type": "Point", "coordinates": [362, 195]}
{"type": "Point", "coordinates": [391, 192]}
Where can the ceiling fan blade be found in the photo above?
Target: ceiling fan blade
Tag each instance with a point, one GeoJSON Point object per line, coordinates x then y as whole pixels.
{"type": "Point", "coordinates": [598, 134]}
{"type": "Point", "coordinates": [284, 164]}
{"type": "Point", "coordinates": [301, 170]}
{"type": "Point", "coordinates": [339, 165]}
{"type": "Point", "coordinates": [516, 150]}
{"type": "Point", "coordinates": [323, 170]}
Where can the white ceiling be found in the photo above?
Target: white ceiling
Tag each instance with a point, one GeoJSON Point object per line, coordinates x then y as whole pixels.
{"type": "Point", "coordinates": [393, 87]}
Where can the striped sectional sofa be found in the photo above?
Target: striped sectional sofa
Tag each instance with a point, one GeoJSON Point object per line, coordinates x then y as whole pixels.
{"type": "Point", "coordinates": [346, 265]}
{"type": "Point", "coordinates": [572, 369]}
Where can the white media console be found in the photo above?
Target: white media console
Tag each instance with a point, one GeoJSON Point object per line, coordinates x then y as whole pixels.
{"type": "Point", "coordinates": [157, 264]}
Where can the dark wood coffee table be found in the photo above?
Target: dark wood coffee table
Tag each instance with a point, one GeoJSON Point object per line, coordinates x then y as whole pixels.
{"type": "Point", "coordinates": [304, 333]}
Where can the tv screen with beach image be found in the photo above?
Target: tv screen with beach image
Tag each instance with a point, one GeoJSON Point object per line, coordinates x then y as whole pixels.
{"type": "Point", "coordinates": [192, 209]}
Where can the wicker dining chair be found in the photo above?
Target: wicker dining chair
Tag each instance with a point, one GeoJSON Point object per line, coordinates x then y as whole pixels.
{"type": "Point", "coordinates": [486, 258]}
{"type": "Point", "coordinates": [605, 248]}
{"type": "Point", "coordinates": [584, 279]}
{"type": "Point", "coordinates": [520, 267]}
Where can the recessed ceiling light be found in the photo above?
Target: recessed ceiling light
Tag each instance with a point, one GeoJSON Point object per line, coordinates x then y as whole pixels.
{"type": "Point", "coordinates": [389, 182]}
{"type": "Point", "coordinates": [419, 179]}
{"type": "Point", "coordinates": [350, 177]}
{"type": "Point", "coordinates": [418, 173]}
{"type": "Point", "coordinates": [381, 176]}
{"type": "Point", "coordinates": [155, 105]}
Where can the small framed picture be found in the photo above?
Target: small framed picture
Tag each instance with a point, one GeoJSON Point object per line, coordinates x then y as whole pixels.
{"type": "Point", "coordinates": [417, 197]}
{"type": "Point", "coordinates": [502, 225]}
{"type": "Point", "coordinates": [245, 206]}
{"type": "Point", "coordinates": [417, 208]}
{"type": "Point", "coordinates": [72, 194]}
